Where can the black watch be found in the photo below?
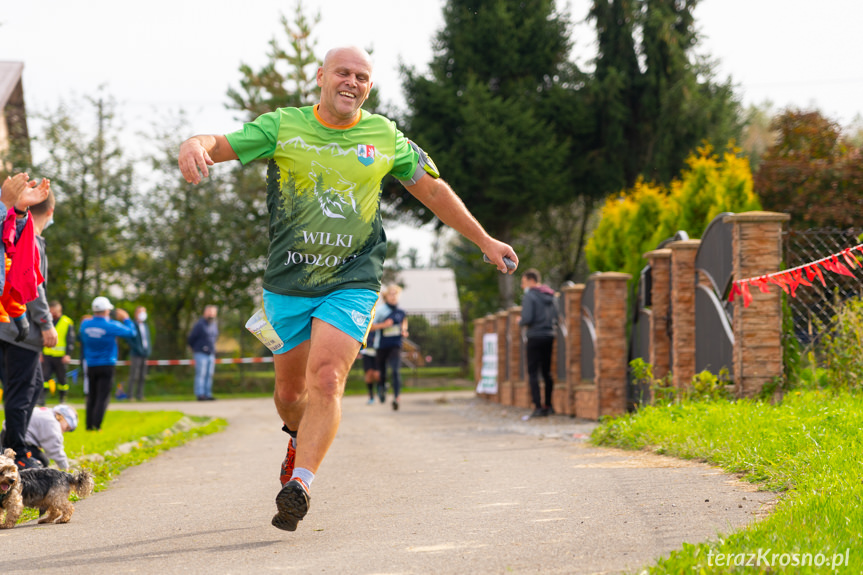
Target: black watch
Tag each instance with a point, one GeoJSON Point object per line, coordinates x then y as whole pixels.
{"type": "Point", "coordinates": [20, 212]}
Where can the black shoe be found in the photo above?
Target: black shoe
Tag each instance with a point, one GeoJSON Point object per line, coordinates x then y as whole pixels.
{"type": "Point", "coordinates": [202, 398]}
{"type": "Point", "coordinates": [549, 410]}
{"type": "Point", "coordinates": [293, 504]}
{"type": "Point", "coordinates": [210, 398]}
{"type": "Point", "coordinates": [395, 405]}
{"type": "Point", "coordinates": [538, 412]}
{"type": "Point", "coordinates": [28, 462]}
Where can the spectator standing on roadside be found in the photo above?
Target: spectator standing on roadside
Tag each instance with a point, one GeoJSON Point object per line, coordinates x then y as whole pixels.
{"type": "Point", "coordinates": [139, 352]}
{"type": "Point", "coordinates": [538, 315]}
{"type": "Point", "coordinates": [202, 340]}
{"type": "Point", "coordinates": [99, 341]}
{"type": "Point", "coordinates": [57, 357]}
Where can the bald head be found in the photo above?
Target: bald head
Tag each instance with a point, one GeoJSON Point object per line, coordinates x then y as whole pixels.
{"type": "Point", "coordinates": [350, 52]}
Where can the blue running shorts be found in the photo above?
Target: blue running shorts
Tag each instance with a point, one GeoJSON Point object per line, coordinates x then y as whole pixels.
{"type": "Point", "coordinates": [350, 311]}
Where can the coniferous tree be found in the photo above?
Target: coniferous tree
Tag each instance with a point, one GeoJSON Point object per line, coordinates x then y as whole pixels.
{"type": "Point", "coordinates": [654, 99]}
{"type": "Point", "coordinates": [288, 78]}
{"type": "Point", "coordinates": [480, 112]}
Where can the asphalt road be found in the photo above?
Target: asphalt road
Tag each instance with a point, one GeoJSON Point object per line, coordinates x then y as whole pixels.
{"type": "Point", "coordinates": [448, 484]}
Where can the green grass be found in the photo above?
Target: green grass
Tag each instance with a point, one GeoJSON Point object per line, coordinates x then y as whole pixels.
{"type": "Point", "coordinates": [810, 447]}
{"type": "Point", "coordinates": [147, 433]}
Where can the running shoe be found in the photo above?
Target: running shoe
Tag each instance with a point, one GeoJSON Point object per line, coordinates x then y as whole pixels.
{"type": "Point", "coordinates": [292, 503]}
{"type": "Point", "coordinates": [288, 463]}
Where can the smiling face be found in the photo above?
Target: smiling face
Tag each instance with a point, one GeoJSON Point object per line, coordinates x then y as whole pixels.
{"type": "Point", "coordinates": [345, 80]}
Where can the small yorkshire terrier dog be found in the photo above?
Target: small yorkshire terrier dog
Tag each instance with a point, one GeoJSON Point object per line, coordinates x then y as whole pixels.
{"type": "Point", "coordinates": [44, 489]}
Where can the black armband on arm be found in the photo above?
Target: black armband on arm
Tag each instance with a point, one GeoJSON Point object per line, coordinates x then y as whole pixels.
{"type": "Point", "coordinates": [425, 165]}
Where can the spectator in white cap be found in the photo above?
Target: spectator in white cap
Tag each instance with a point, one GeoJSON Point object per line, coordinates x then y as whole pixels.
{"type": "Point", "coordinates": [44, 436]}
{"type": "Point", "coordinates": [99, 341]}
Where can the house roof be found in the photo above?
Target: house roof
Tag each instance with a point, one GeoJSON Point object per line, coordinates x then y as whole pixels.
{"type": "Point", "coordinates": [10, 76]}
{"type": "Point", "coordinates": [428, 291]}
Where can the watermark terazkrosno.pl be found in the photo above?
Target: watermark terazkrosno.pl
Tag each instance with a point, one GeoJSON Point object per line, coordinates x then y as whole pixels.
{"type": "Point", "coordinates": [773, 558]}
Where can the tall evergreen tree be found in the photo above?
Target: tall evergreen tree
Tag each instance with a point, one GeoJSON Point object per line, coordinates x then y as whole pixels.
{"type": "Point", "coordinates": [655, 100]}
{"type": "Point", "coordinates": [480, 112]}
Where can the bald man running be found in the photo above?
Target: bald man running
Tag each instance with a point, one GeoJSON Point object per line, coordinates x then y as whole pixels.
{"type": "Point", "coordinates": [327, 245]}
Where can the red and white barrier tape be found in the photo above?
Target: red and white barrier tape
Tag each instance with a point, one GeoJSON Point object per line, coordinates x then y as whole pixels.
{"type": "Point", "coordinates": [268, 359]}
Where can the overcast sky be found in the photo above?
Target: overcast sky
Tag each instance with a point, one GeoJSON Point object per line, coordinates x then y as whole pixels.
{"type": "Point", "coordinates": [168, 54]}
{"type": "Point", "coordinates": [178, 53]}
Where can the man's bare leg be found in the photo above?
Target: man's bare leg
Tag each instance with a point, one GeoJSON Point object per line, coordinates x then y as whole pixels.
{"type": "Point", "coordinates": [290, 395]}
{"type": "Point", "coordinates": [331, 354]}
{"type": "Point", "coordinates": [315, 405]}
{"type": "Point", "coordinates": [310, 382]}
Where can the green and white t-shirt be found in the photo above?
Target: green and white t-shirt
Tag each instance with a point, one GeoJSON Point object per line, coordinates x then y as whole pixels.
{"type": "Point", "coordinates": [323, 196]}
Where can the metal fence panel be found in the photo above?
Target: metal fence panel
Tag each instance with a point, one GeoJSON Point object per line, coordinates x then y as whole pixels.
{"type": "Point", "coordinates": [714, 264]}
{"type": "Point", "coordinates": [588, 332]}
{"type": "Point", "coordinates": [714, 338]}
{"type": "Point", "coordinates": [813, 308]}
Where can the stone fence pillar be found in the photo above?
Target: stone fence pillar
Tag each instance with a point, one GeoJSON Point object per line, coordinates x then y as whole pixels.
{"type": "Point", "coordinates": [757, 250]}
{"type": "Point", "coordinates": [660, 311]}
{"type": "Point", "coordinates": [683, 311]}
{"type": "Point", "coordinates": [611, 344]}
{"type": "Point", "coordinates": [572, 311]}
{"type": "Point", "coordinates": [517, 359]}
{"type": "Point", "coordinates": [478, 332]}
{"type": "Point", "coordinates": [504, 383]}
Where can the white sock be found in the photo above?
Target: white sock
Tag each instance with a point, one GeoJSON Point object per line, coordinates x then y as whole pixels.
{"type": "Point", "coordinates": [304, 474]}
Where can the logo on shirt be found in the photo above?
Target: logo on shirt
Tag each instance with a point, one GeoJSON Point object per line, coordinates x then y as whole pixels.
{"type": "Point", "coordinates": [333, 191]}
{"type": "Point", "coordinates": [366, 154]}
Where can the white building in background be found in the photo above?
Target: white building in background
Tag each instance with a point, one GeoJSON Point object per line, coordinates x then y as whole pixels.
{"type": "Point", "coordinates": [429, 292]}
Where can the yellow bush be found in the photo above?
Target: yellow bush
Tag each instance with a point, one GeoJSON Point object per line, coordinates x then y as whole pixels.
{"type": "Point", "coordinates": [636, 220]}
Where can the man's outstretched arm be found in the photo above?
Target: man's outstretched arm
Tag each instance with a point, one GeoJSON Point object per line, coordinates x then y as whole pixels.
{"type": "Point", "coordinates": [199, 152]}
{"type": "Point", "coordinates": [440, 198]}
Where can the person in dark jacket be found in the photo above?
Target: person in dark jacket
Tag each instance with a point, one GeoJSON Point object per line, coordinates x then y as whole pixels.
{"type": "Point", "coordinates": [139, 351]}
{"type": "Point", "coordinates": [538, 315]}
{"type": "Point", "coordinates": [202, 340]}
